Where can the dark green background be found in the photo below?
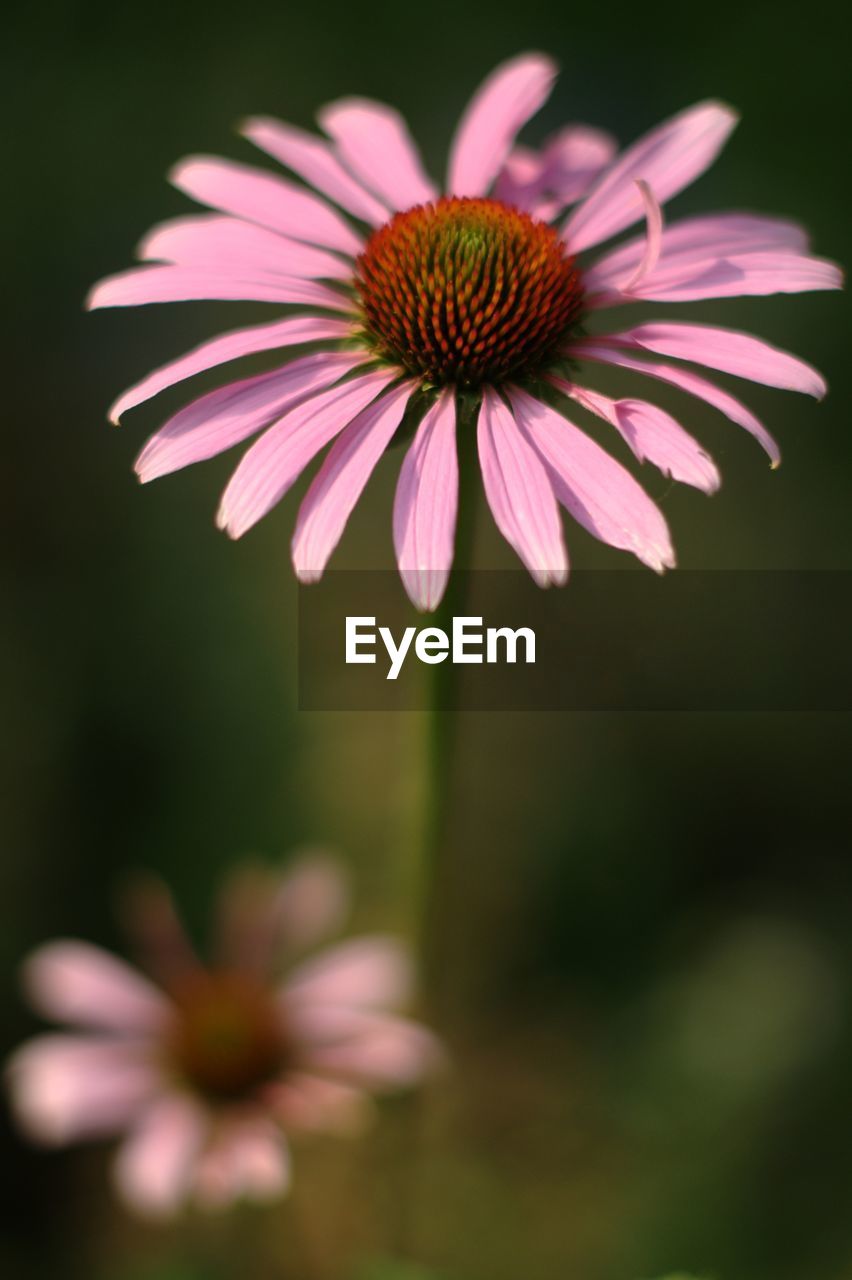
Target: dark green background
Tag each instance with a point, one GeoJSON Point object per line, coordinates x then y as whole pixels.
{"type": "Point", "coordinates": [647, 955]}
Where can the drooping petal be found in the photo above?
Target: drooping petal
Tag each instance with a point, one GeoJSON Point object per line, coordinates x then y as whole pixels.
{"type": "Point", "coordinates": [374, 143]}
{"type": "Point", "coordinates": [600, 494]}
{"type": "Point", "coordinates": [653, 435]}
{"type": "Point", "coordinates": [313, 159]}
{"type": "Point", "coordinates": [696, 239]}
{"type": "Point", "coordinates": [222, 418]}
{"type": "Point", "coordinates": [247, 1159]}
{"type": "Point", "coordinates": [143, 285]}
{"type": "Point", "coordinates": [75, 982]}
{"type": "Point", "coordinates": [366, 972]}
{"type": "Point", "coordinates": [520, 493]}
{"type": "Point", "coordinates": [513, 93]}
{"type": "Point", "coordinates": [231, 346]}
{"type": "Point", "coordinates": [224, 244]}
{"type": "Point", "coordinates": [728, 350]}
{"type": "Point", "coordinates": [653, 237]}
{"type": "Point", "coordinates": [265, 198]}
{"type": "Point", "coordinates": [692, 383]}
{"type": "Point", "coordinates": [278, 458]}
{"type": "Point", "coordinates": [668, 158]}
{"type": "Point", "coordinates": [340, 481]}
{"type": "Point", "coordinates": [265, 915]}
{"type": "Point", "coordinates": [67, 1088]}
{"type": "Point", "coordinates": [424, 513]}
{"type": "Point", "coordinates": [155, 1164]}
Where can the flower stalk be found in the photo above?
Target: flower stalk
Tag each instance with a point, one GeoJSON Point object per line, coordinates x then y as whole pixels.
{"type": "Point", "coordinates": [442, 711]}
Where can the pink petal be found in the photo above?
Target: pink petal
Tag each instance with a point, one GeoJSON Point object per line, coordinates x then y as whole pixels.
{"type": "Point", "coordinates": [727, 350]}
{"type": "Point", "coordinates": [67, 1088]}
{"type": "Point", "coordinates": [521, 180]}
{"type": "Point", "coordinates": [311, 900]}
{"type": "Point", "coordinates": [696, 239]}
{"type": "Point", "coordinates": [653, 435]}
{"type": "Point", "coordinates": [668, 158]}
{"type": "Point", "coordinates": [513, 93]}
{"type": "Point", "coordinates": [309, 1103]}
{"type": "Point", "coordinates": [368, 972]}
{"type": "Point", "coordinates": [424, 513]}
{"type": "Point", "coordinates": [247, 1159]}
{"type": "Point", "coordinates": [229, 244]}
{"type": "Point", "coordinates": [75, 982]}
{"type": "Point", "coordinates": [222, 418]}
{"type": "Point", "coordinates": [692, 383]}
{"type": "Point", "coordinates": [653, 237]}
{"type": "Point", "coordinates": [340, 481]}
{"type": "Point", "coordinates": [267, 199]}
{"type": "Point", "coordinates": [574, 158]}
{"type": "Point", "coordinates": [313, 159]}
{"type": "Point", "coordinates": [374, 144]}
{"type": "Point", "coordinates": [142, 285]}
{"type": "Point", "coordinates": [375, 1051]}
{"type": "Point", "coordinates": [156, 1162]}
{"type": "Point", "coordinates": [271, 466]}
{"type": "Point", "coordinates": [230, 346]}
{"type": "Point", "coordinates": [600, 494]}
{"type": "Point", "coordinates": [265, 915]}
{"type": "Point", "coordinates": [544, 182]}
{"type": "Point", "coordinates": [738, 275]}
{"type": "Point", "coordinates": [151, 919]}
{"type": "Point", "coordinates": [519, 493]}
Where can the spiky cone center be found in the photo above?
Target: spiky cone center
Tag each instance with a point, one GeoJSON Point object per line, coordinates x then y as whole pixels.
{"type": "Point", "coordinates": [467, 291]}
{"type": "Point", "coordinates": [226, 1040]}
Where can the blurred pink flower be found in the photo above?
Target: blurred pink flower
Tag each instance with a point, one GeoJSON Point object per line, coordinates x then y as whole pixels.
{"type": "Point", "coordinates": [416, 303]}
{"type": "Point", "coordinates": [207, 1073]}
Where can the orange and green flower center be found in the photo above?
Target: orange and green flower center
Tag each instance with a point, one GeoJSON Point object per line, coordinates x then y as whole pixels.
{"type": "Point", "coordinates": [467, 291]}
{"type": "Point", "coordinates": [227, 1040]}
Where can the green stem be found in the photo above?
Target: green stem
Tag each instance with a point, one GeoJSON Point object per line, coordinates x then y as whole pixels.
{"type": "Point", "coordinates": [435, 752]}
{"type": "Point", "coordinates": [442, 707]}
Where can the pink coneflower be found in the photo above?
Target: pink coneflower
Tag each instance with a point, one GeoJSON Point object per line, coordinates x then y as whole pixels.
{"type": "Point", "coordinates": [208, 1072]}
{"type": "Point", "coordinates": [465, 308]}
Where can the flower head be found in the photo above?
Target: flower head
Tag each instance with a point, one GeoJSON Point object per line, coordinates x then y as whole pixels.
{"type": "Point", "coordinates": [467, 291]}
{"type": "Point", "coordinates": [210, 1069]}
{"type": "Point", "coordinates": [407, 298]}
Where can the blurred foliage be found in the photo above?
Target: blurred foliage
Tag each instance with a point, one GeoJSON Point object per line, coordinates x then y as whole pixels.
{"type": "Point", "coordinates": [390, 1269]}
{"type": "Point", "coordinates": [166, 1271]}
